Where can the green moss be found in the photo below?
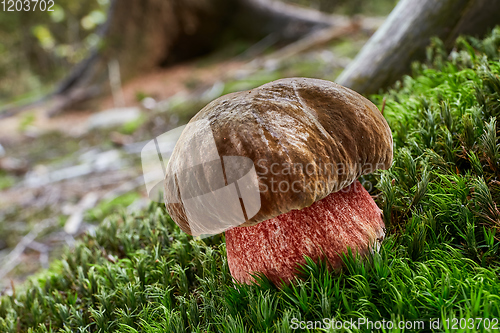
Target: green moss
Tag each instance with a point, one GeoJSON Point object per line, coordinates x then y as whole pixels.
{"type": "Point", "coordinates": [132, 126]}
{"type": "Point", "coordinates": [6, 180]}
{"type": "Point", "coordinates": [440, 259]}
{"type": "Point", "coordinates": [27, 120]}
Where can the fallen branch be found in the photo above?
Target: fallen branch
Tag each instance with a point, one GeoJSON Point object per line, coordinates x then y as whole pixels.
{"type": "Point", "coordinates": [319, 38]}
{"type": "Point", "coordinates": [314, 40]}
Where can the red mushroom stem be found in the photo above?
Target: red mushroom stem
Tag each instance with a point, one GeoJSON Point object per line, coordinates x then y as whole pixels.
{"type": "Point", "coordinates": [347, 218]}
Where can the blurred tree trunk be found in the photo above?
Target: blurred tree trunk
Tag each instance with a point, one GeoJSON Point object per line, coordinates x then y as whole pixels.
{"type": "Point", "coordinates": [143, 34]}
{"type": "Point", "coordinates": [406, 33]}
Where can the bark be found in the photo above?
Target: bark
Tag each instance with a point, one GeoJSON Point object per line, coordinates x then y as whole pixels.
{"type": "Point", "coordinates": [406, 33]}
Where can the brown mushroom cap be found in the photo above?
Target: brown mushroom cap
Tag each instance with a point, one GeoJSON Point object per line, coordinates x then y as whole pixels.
{"type": "Point", "coordinates": [312, 134]}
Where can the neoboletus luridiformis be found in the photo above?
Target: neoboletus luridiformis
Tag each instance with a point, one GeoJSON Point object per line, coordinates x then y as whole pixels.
{"type": "Point", "coordinates": [309, 141]}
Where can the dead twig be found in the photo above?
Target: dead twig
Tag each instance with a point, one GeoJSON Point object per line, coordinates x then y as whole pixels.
{"type": "Point", "coordinates": [74, 221]}
{"type": "Point", "coordinates": [11, 260]}
{"type": "Point", "coordinates": [383, 105]}
{"type": "Point", "coordinates": [124, 188]}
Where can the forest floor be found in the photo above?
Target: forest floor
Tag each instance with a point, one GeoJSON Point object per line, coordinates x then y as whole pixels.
{"type": "Point", "coordinates": [60, 176]}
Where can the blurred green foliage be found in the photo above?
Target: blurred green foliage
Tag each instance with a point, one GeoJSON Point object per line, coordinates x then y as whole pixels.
{"type": "Point", "coordinates": [38, 47]}
{"type": "Point", "coordinates": [6, 180]}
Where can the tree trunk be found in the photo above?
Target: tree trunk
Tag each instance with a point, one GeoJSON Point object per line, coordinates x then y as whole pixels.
{"type": "Point", "coordinates": [406, 33]}
{"type": "Point", "coordinates": [142, 34]}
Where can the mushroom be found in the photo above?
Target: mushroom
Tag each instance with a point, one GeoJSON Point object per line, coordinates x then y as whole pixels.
{"type": "Point", "coordinates": [301, 145]}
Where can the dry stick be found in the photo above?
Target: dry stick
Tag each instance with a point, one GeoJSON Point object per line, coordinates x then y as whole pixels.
{"type": "Point", "coordinates": [75, 220]}
{"type": "Point", "coordinates": [91, 199]}
{"type": "Point", "coordinates": [383, 105]}
{"type": "Point", "coordinates": [13, 288]}
{"type": "Point", "coordinates": [366, 24]}
{"type": "Point", "coordinates": [314, 40]}
{"type": "Point", "coordinates": [116, 83]}
{"type": "Point", "coordinates": [324, 36]}
{"type": "Point", "coordinates": [11, 260]}
{"type": "Point", "coordinates": [44, 252]}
